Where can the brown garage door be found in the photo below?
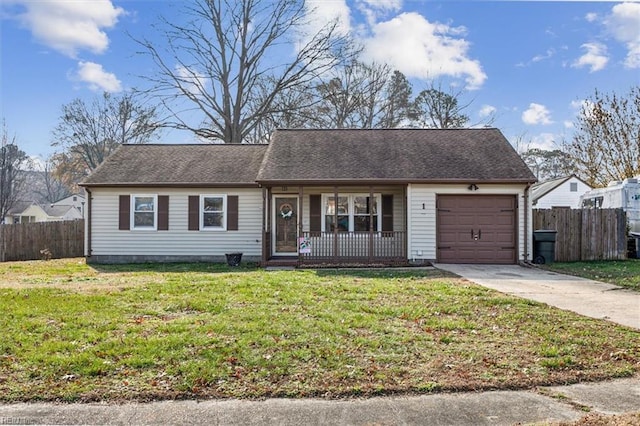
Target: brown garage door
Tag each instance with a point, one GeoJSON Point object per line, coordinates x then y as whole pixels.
{"type": "Point", "coordinates": [476, 228]}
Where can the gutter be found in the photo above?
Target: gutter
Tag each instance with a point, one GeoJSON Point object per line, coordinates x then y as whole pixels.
{"type": "Point", "coordinates": [526, 222]}
{"type": "Point", "coordinates": [88, 222]}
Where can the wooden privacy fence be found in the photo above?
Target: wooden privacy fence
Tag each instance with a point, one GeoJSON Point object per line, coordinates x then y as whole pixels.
{"type": "Point", "coordinates": [585, 234]}
{"type": "Point", "coordinates": [42, 240]}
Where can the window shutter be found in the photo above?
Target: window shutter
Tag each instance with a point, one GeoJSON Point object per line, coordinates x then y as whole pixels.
{"type": "Point", "coordinates": [315, 213]}
{"type": "Point", "coordinates": [232, 212]}
{"type": "Point", "coordinates": [387, 213]}
{"type": "Point", "coordinates": [124, 213]}
{"type": "Point", "coordinates": [163, 212]}
{"type": "Point", "coordinates": [194, 213]}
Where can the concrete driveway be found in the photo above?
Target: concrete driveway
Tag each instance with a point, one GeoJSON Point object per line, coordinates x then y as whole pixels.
{"type": "Point", "coordinates": [586, 297]}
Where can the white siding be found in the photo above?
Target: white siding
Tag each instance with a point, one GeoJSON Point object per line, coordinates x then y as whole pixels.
{"type": "Point", "coordinates": [107, 240]}
{"type": "Point", "coordinates": [562, 196]}
{"type": "Point", "coordinates": [422, 215]}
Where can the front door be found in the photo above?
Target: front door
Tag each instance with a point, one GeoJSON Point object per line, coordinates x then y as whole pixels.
{"type": "Point", "coordinates": [285, 227]}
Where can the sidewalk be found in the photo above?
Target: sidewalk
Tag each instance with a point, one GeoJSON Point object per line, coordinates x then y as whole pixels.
{"type": "Point", "coordinates": [559, 403]}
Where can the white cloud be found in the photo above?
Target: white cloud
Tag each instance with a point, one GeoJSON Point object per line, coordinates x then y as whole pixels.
{"type": "Point", "coordinates": [486, 111]}
{"type": "Point", "coordinates": [192, 80]}
{"type": "Point", "coordinates": [595, 57]}
{"type": "Point", "coordinates": [576, 105]}
{"type": "Point", "coordinates": [374, 9]}
{"type": "Point", "coordinates": [583, 106]}
{"type": "Point", "coordinates": [567, 124]}
{"type": "Point", "coordinates": [419, 48]}
{"type": "Point", "coordinates": [536, 114]}
{"type": "Point", "coordinates": [321, 12]}
{"type": "Point", "coordinates": [624, 24]}
{"type": "Point", "coordinates": [70, 26]}
{"type": "Point", "coordinates": [97, 78]}
{"type": "Point", "coordinates": [547, 55]}
{"type": "Point", "coordinates": [546, 141]}
{"type": "Point", "coordinates": [591, 17]}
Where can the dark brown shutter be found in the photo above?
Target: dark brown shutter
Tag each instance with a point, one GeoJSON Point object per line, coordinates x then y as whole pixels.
{"type": "Point", "coordinates": [232, 212]}
{"type": "Point", "coordinates": [387, 213]}
{"type": "Point", "coordinates": [194, 212]}
{"type": "Point", "coordinates": [163, 212]}
{"type": "Point", "coordinates": [315, 213]}
{"type": "Point", "coordinates": [124, 213]}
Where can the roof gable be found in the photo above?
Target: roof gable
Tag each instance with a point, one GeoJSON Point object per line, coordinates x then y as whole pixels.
{"type": "Point", "coordinates": [167, 165]}
{"type": "Point", "coordinates": [404, 155]}
{"type": "Point", "coordinates": [541, 189]}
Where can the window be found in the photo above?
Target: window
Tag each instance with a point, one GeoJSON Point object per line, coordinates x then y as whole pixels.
{"type": "Point", "coordinates": [213, 212]}
{"type": "Point", "coordinates": [353, 213]}
{"type": "Point", "coordinates": [573, 186]}
{"type": "Point", "coordinates": [24, 219]}
{"type": "Point", "coordinates": [144, 213]}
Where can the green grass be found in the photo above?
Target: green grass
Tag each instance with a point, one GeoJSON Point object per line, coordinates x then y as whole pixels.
{"type": "Point", "coordinates": [625, 273]}
{"type": "Point", "coordinates": [139, 332]}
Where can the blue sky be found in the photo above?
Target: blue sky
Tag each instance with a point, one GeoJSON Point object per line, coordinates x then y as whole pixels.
{"type": "Point", "coordinates": [530, 63]}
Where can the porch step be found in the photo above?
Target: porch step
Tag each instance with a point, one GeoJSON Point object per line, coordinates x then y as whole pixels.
{"type": "Point", "coordinates": [281, 262]}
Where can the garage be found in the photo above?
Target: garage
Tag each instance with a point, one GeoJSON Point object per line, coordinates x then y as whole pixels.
{"type": "Point", "coordinates": [476, 229]}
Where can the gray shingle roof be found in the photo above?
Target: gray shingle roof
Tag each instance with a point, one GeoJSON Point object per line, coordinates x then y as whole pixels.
{"type": "Point", "coordinates": [56, 211]}
{"type": "Point", "coordinates": [404, 155]}
{"type": "Point", "coordinates": [179, 165]}
{"type": "Point", "coordinates": [320, 156]}
{"type": "Point", "coordinates": [543, 188]}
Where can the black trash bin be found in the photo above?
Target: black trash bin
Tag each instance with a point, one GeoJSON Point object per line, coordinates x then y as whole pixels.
{"type": "Point", "coordinates": [544, 246]}
{"type": "Point", "coordinates": [233, 259]}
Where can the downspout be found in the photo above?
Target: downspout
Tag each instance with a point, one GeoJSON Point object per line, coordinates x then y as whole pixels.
{"type": "Point", "coordinates": [526, 222]}
{"type": "Point", "coordinates": [88, 222]}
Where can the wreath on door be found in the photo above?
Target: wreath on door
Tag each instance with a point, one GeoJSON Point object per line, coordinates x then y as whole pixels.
{"type": "Point", "coordinates": [286, 211]}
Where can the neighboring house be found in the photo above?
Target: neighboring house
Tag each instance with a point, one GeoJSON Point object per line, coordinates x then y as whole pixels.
{"type": "Point", "coordinates": [75, 200]}
{"type": "Point", "coordinates": [562, 192]}
{"type": "Point", "coordinates": [70, 208]}
{"type": "Point", "coordinates": [315, 197]}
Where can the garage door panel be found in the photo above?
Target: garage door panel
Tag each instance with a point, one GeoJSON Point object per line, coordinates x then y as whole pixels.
{"type": "Point", "coordinates": [476, 229]}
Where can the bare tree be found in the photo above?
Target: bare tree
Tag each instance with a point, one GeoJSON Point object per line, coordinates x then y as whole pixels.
{"type": "Point", "coordinates": [86, 134]}
{"type": "Point", "coordinates": [222, 66]}
{"type": "Point", "coordinates": [50, 188]}
{"type": "Point", "coordinates": [12, 161]}
{"type": "Point", "coordinates": [396, 108]}
{"type": "Point", "coordinates": [606, 143]}
{"type": "Point", "coordinates": [291, 109]}
{"type": "Point", "coordinates": [434, 108]}
{"type": "Point", "coordinates": [548, 164]}
{"type": "Point", "coordinates": [342, 97]}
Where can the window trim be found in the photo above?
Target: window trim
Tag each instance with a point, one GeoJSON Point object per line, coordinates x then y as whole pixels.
{"type": "Point", "coordinates": [224, 213]}
{"type": "Point", "coordinates": [132, 213]}
{"type": "Point", "coordinates": [351, 202]}
{"type": "Point", "coordinates": [573, 185]}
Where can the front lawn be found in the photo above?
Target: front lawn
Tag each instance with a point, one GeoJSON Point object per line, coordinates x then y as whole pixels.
{"type": "Point", "coordinates": [625, 273]}
{"type": "Point", "coordinates": [70, 332]}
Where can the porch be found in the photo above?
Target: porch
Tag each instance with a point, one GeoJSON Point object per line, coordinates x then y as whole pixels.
{"type": "Point", "coordinates": [346, 225]}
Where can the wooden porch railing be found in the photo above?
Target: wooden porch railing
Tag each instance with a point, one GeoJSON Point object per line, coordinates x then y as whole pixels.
{"type": "Point", "coordinates": [355, 247]}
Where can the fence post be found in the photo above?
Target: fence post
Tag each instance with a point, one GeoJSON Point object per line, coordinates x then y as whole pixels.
{"type": "Point", "coordinates": [2, 244]}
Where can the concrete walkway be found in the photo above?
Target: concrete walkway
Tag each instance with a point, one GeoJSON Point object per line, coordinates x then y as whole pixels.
{"type": "Point", "coordinates": [561, 403]}
{"type": "Point", "coordinates": [586, 297]}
